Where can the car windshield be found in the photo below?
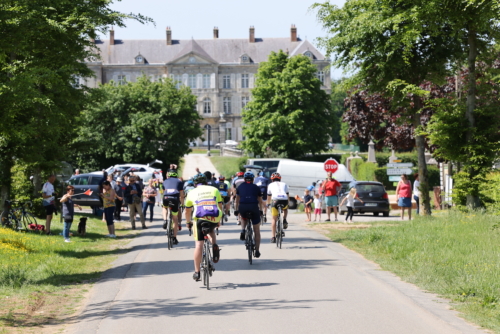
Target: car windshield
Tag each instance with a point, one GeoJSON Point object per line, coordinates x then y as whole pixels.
{"type": "Point", "coordinates": [370, 188]}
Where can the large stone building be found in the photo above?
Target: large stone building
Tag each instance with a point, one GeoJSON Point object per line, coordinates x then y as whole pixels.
{"type": "Point", "coordinates": [220, 72]}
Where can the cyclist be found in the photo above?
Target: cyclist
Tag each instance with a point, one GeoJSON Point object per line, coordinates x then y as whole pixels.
{"type": "Point", "coordinates": [236, 183]}
{"type": "Point", "coordinates": [222, 186]}
{"type": "Point", "coordinates": [249, 199]}
{"type": "Point", "coordinates": [210, 181]}
{"type": "Point", "coordinates": [189, 186]}
{"type": "Point", "coordinates": [173, 197]}
{"type": "Point", "coordinates": [207, 204]}
{"type": "Point", "coordinates": [277, 191]}
{"type": "Point", "coordinates": [262, 182]}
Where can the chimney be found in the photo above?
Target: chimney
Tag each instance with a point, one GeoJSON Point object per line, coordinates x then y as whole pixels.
{"type": "Point", "coordinates": [293, 33]}
{"type": "Point", "coordinates": [111, 37]}
{"type": "Point", "coordinates": [169, 36]}
{"type": "Point", "coordinates": [216, 32]}
{"type": "Point", "coordinates": [252, 34]}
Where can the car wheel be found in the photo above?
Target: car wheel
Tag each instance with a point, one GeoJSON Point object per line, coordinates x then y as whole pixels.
{"type": "Point", "coordinates": [386, 214]}
{"type": "Point", "coordinates": [375, 214]}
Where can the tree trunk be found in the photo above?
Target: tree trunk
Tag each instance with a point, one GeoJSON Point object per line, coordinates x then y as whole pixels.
{"type": "Point", "coordinates": [5, 179]}
{"type": "Point", "coordinates": [425, 200]}
{"type": "Point", "coordinates": [37, 182]}
{"type": "Point", "coordinates": [472, 197]}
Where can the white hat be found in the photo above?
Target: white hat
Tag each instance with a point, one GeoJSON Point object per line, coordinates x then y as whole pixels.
{"type": "Point", "coordinates": [119, 179]}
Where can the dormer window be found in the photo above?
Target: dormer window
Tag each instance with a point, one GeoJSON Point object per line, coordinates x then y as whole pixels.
{"type": "Point", "coordinates": [139, 59]}
{"type": "Point", "coordinates": [192, 60]}
{"type": "Point", "coordinates": [308, 54]}
{"type": "Point", "coordinates": [245, 58]}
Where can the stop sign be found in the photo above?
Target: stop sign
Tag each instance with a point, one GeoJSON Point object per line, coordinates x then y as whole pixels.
{"type": "Point", "coordinates": [331, 165]}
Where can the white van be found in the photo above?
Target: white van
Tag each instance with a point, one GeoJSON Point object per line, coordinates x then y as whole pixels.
{"type": "Point", "coordinates": [270, 165]}
{"type": "Point", "coordinates": [298, 175]}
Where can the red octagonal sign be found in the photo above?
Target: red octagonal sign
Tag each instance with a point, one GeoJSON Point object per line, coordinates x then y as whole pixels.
{"type": "Point", "coordinates": [331, 165]}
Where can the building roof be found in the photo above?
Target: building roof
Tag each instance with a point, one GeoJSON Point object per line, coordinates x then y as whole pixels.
{"type": "Point", "coordinates": [223, 51]}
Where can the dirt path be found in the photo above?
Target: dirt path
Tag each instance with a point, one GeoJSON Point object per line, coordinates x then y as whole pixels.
{"type": "Point", "coordinates": [200, 161]}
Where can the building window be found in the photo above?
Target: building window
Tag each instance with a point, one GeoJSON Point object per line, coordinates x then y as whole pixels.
{"type": "Point", "coordinates": [226, 81]}
{"type": "Point", "coordinates": [244, 81]}
{"type": "Point", "coordinates": [192, 80]}
{"type": "Point", "coordinates": [227, 105]}
{"type": "Point", "coordinates": [229, 135]}
{"type": "Point", "coordinates": [244, 58]}
{"type": "Point", "coordinates": [178, 80]}
{"type": "Point", "coordinates": [206, 80]}
{"type": "Point", "coordinates": [321, 77]}
{"type": "Point", "coordinates": [244, 101]}
{"type": "Point", "coordinates": [207, 107]}
{"type": "Point", "coordinates": [122, 80]}
{"type": "Point", "coordinates": [308, 54]}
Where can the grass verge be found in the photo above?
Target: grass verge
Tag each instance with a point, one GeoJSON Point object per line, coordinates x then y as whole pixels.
{"type": "Point", "coordinates": [228, 166]}
{"type": "Point", "coordinates": [204, 151]}
{"type": "Point", "coordinates": [452, 254]}
{"type": "Point", "coordinates": [42, 278]}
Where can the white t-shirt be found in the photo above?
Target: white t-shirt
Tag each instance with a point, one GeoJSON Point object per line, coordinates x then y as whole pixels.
{"type": "Point", "coordinates": [317, 203]}
{"type": "Point", "coordinates": [350, 201]}
{"type": "Point", "coordinates": [278, 190]}
{"type": "Point", "coordinates": [48, 189]}
{"type": "Point", "coordinates": [416, 184]}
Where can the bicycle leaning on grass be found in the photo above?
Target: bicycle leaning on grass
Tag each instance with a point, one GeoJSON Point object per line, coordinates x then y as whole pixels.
{"type": "Point", "coordinates": [19, 218]}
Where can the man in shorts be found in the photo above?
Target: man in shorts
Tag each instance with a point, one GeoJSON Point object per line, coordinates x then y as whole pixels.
{"type": "Point", "coordinates": [48, 201]}
{"type": "Point", "coordinates": [249, 199]}
{"type": "Point", "coordinates": [277, 192]}
{"type": "Point", "coordinates": [207, 205]}
{"type": "Point", "coordinates": [262, 182]}
{"type": "Point", "coordinates": [331, 189]}
{"type": "Point", "coordinates": [223, 189]}
{"type": "Point", "coordinates": [173, 197]}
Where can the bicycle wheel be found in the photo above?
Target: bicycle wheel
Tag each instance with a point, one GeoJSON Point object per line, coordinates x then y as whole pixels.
{"type": "Point", "coordinates": [281, 233]}
{"type": "Point", "coordinates": [249, 241]}
{"type": "Point", "coordinates": [169, 235]}
{"type": "Point", "coordinates": [278, 231]}
{"type": "Point", "coordinates": [28, 220]}
{"type": "Point", "coordinates": [5, 220]}
{"type": "Point", "coordinates": [207, 265]}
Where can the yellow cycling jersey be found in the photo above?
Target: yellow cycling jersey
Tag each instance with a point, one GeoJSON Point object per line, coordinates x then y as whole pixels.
{"type": "Point", "coordinates": [205, 199]}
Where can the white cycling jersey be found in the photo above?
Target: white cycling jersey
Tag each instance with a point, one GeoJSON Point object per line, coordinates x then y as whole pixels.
{"type": "Point", "coordinates": [278, 190]}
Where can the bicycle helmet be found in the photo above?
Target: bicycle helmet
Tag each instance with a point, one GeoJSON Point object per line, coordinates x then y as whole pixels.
{"type": "Point", "coordinates": [190, 183]}
{"type": "Point", "coordinates": [248, 177]}
{"type": "Point", "coordinates": [240, 174]}
{"type": "Point", "coordinates": [172, 173]}
{"type": "Point", "coordinates": [199, 179]}
{"type": "Point", "coordinates": [276, 177]}
{"type": "Point", "coordinates": [222, 178]}
{"type": "Point", "coordinates": [208, 175]}
{"type": "Point", "coordinates": [261, 173]}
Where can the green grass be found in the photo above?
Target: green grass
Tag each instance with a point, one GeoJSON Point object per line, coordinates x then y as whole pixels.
{"type": "Point", "coordinates": [43, 271]}
{"type": "Point", "coordinates": [228, 166]}
{"type": "Point", "coordinates": [204, 151]}
{"type": "Point", "coordinates": [452, 254]}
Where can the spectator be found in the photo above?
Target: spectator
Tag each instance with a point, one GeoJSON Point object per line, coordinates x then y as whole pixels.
{"type": "Point", "coordinates": [312, 189]}
{"type": "Point", "coordinates": [139, 181]}
{"type": "Point", "coordinates": [351, 197]}
{"type": "Point", "coordinates": [100, 188]}
{"type": "Point", "coordinates": [308, 199]}
{"type": "Point", "coordinates": [317, 207]}
{"type": "Point", "coordinates": [416, 192]}
{"type": "Point", "coordinates": [119, 189]}
{"type": "Point", "coordinates": [148, 198]}
{"type": "Point", "coordinates": [109, 197]}
{"type": "Point", "coordinates": [331, 188]}
{"type": "Point", "coordinates": [68, 211]}
{"type": "Point", "coordinates": [48, 202]}
{"type": "Point", "coordinates": [133, 195]}
{"type": "Point", "coordinates": [77, 172]}
{"type": "Point", "coordinates": [403, 191]}
{"type": "Point", "coordinates": [111, 180]}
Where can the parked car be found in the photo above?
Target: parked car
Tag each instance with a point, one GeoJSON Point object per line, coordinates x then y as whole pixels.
{"type": "Point", "coordinates": [373, 195]}
{"type": "Point", "coordinates": [145, 172]}
{"type": "Point", "coordinates": [82, 183]}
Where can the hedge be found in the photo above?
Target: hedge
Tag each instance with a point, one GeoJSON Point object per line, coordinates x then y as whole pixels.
{"type": "Point", "coordinates": [383, 158]}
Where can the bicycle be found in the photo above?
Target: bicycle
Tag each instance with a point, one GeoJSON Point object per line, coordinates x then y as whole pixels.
{"type": "Point", "coordinates": [9, 218]}
{"type": "Point", "coordinates": [279, 226]}
{"type": "Point", "coordinates": [207, 265]}
{"type": "Point", "coordinates": [17, 218]}
{"type": "Point", "coordinates": [263, 217]}
{"type": "Point", "coordinates": [170, 231]}
{"type": "Point", "coordinates": [249, 236]}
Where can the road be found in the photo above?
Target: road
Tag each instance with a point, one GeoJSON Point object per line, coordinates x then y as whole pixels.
{"type": "Point", "coordinates": [311, 285]}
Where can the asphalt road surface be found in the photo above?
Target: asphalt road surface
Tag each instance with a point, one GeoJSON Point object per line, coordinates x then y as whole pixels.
{"type": "Point", "coordinates": [312, 285]}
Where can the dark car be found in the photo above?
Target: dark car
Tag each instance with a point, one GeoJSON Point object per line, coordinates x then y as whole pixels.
{"type": "Point", "coordinates": [82, 183]}
{"type": "Point", "coordinates": [373, 195]}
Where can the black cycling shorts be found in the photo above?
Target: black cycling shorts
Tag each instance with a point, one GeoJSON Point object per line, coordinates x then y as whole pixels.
{"type": "Point", "coordinates": [198, 231]}
{"type": "Point", "coordinates": [226, 199]}
{"type": "Point", "coordinates": [283, 202]}
{"type": "Point", "coordinates": [253, 209]}
{"type": "Point", "coordinates": [50, 209]}
{"type": "Point", "coordinates": [172, 203]}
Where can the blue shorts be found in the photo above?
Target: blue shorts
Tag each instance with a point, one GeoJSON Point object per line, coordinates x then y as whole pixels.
{"type": "Point", "coordinates": [404, 202]}
{"type": "Point", "coordinates": [253, 208]}
{"type": "Point", "coordinates": [331, 200]}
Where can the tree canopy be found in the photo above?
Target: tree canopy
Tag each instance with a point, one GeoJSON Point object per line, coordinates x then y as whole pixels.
{"type": "Point", "coordinates": [137, 122]}
{"type": "Point", "coordinates": [289, 112]}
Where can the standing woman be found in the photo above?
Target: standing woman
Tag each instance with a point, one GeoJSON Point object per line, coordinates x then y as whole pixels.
{"type": "Point", "coordinates": [68, 211]}
{"type": "Point", "coordinates": [416, 192]}
{"type": "Point", "coordinates": [108, 197]}
{"type": "Point", "coordinates": [148, 199]}
{"type": "Point", "coordinates": [403, 191]}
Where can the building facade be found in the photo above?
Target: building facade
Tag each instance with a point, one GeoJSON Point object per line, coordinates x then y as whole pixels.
{"type": "Point", "coordinates": [220, 72]}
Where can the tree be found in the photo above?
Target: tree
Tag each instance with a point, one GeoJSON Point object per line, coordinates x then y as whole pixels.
{"type": "Point", "coordinates": [338, 97]}
{"type": "Point", "coordinates": [137, 122]}
{"type": "Point", "coordinates": [289, 112]}
{"type": "Point", "coordinates": [43, 48]}
{"type": "Point", "coordinates": [391, 50]}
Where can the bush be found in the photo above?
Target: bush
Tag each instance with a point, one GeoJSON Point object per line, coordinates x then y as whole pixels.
{"type": "Point", "coordinates": [490, 193]}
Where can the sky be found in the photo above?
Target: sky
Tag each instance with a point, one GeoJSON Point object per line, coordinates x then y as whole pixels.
{"type": "Point", "coordinates": [197, 18]}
